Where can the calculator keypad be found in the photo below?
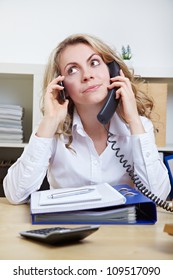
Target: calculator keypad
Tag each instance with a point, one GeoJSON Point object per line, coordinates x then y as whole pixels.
{"type": "Point", "coordinates": [45, 231]}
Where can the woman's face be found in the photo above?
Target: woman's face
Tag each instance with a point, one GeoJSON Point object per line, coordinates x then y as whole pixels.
{"type": "Point", "coordinates": [86, 74]}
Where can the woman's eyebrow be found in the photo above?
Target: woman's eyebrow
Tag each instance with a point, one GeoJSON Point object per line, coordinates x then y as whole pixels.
{"type": "Point", "coordinates": [76, 63]}
{"type": "Point", "coordinates": [89, 58]}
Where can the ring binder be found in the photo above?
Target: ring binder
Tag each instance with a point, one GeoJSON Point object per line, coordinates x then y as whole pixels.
{"type": "Point", "coordinates": [138, 209]}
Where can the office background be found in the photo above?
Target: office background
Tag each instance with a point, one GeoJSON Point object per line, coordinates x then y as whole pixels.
{"type": "Point", "coordinates": [30, 29]}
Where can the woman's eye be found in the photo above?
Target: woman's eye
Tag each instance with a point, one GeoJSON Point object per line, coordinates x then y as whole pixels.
{"type": "Point", "coordinates": [72, 70]}
{"type": "Point", "coordinates": [95, 62]}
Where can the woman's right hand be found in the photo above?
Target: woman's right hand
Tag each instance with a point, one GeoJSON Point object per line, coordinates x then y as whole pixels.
{"type": "Point", "coordinates": [54, 112]}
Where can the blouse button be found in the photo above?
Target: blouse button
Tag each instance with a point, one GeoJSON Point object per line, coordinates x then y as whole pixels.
{"type": "Point", "coordinates": [95, 162]}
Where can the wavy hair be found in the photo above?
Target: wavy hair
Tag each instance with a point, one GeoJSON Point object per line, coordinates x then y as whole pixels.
{"type": "Point", "coordinates": [52, 70]}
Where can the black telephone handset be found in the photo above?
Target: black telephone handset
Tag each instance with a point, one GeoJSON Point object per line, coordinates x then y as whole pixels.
{"type": "Point", "coordinates": [111, 103]}
{"type": "Point", "coordinates": [62, 94]}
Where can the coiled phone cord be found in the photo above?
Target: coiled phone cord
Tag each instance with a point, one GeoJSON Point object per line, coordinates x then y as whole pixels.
{"type": "Point", "coordinates": [161, 203]}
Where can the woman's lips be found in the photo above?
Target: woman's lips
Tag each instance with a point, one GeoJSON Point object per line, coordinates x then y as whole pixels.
{"type": "Point", "coordinates": [91, 88]}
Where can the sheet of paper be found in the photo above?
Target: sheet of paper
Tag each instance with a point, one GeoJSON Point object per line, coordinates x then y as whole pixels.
{"type": "Point", "coordinates": [69, 196]}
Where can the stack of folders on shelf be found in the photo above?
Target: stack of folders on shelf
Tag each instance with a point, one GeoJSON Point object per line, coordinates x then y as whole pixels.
{"type": "Point", "coordinates": [11, 123]}
{"type": "Point", "coordinates": [96, 204]}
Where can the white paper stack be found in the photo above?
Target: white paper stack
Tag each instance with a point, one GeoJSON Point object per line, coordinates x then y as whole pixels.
{"type": "Point", "coordinates": [50, 201]}
{"type": "Point", "coordinates": [11, 127]}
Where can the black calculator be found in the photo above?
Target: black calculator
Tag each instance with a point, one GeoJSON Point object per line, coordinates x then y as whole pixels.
{"type": "Point", "coordinates": [59, 235]}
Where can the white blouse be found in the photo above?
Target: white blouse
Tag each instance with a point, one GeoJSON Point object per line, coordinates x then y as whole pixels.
{"type": "Point", "coordinates": [82, 165]}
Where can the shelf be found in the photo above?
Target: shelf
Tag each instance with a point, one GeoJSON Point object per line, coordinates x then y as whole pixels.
{"type": "Point", "coordinates": [21, 68]}
{"type": "Point", "coordinates": [168, 148]}
{"type": "Point", "coordinates": [153, 72]}
{"type": "Point", "coordinates": [12, 145]}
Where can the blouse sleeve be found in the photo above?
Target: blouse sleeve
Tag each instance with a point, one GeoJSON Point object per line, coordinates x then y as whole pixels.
{"type": "Point", "coordinates": [27, 173]}
{"type": "Point", "coordinates": [148, 165]}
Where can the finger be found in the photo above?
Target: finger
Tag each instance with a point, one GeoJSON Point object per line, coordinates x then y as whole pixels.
{"type": "Point", "coordinates": [117, 94]}
{"type": "Point", "coordinates": [117, 84]}
{"type": "Point", "coordinates": [121, 78]}
{"type": "Point", "coordinates": [59, 78]}
{"type": "Point", "coordinates": [56, 80]}
{"type": "Point", "coordinates": [65, 103]}
{"type": "Point", "coordinates": [52, 88]}
{"type": "Point", "coordinates": [55, 85]}
{"type": "Point", "coordinates": [122, 73]}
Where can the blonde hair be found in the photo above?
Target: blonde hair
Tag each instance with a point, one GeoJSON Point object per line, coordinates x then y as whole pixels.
{"type": "Point", "coordinates": [52, 70]}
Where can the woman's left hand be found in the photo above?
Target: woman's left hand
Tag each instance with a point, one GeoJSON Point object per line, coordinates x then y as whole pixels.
{"type": "Point", "coordinates": [128, 106]}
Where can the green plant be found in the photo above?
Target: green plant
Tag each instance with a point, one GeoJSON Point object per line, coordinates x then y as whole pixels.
{"type": "Point", "coordinates": [126, 52]}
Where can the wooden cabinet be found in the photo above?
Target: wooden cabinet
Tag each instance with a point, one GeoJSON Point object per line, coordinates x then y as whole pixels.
{"type": "Point", "coordinates": [169, 110]}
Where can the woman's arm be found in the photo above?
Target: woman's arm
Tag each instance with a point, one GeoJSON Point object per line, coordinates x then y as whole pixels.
{"type": "Point", "coordinates": [148, 165]}
{"type": "Point", "coordinates": [27, 173]}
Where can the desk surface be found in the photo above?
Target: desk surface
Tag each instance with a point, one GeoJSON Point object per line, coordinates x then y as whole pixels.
{"type": "Point", "coordinates": [110, 242]}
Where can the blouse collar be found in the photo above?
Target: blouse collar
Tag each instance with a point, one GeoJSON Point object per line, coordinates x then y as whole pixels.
{"type": "Point", "coordinates": [117, 125]}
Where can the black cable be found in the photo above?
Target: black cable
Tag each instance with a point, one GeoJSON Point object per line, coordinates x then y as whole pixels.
{"type": "Point", "coordinates": [143, 189]}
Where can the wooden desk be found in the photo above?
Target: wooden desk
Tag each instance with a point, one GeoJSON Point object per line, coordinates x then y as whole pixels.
{"type": "Point", "coordinates": [115, 242]}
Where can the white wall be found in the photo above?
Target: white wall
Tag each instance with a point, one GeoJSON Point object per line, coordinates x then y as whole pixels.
{"type": "Point", "coordinates": [30, 29]}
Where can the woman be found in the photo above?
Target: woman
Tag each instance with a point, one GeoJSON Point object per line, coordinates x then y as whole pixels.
{"type": "Point", "coordinates": [70, 144]}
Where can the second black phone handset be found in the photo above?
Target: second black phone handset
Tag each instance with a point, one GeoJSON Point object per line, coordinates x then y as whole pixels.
{"type": "Point", "coordinates": [62, 94]}
{"type": "Point", "coordinates": [111, 102]}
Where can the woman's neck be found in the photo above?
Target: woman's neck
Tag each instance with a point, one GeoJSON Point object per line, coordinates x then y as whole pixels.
{"type": "Point", "coordinates": [95, 130]}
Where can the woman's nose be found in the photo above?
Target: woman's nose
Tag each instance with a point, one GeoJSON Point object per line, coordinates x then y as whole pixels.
{"type": "Point", "coordinates": [87, 74]}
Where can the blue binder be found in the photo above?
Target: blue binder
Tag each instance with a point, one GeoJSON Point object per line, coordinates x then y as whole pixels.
{"type": "Point", "coordinates": [145, 212]}
{"type": "Point", "coordinates": [169, 164]}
